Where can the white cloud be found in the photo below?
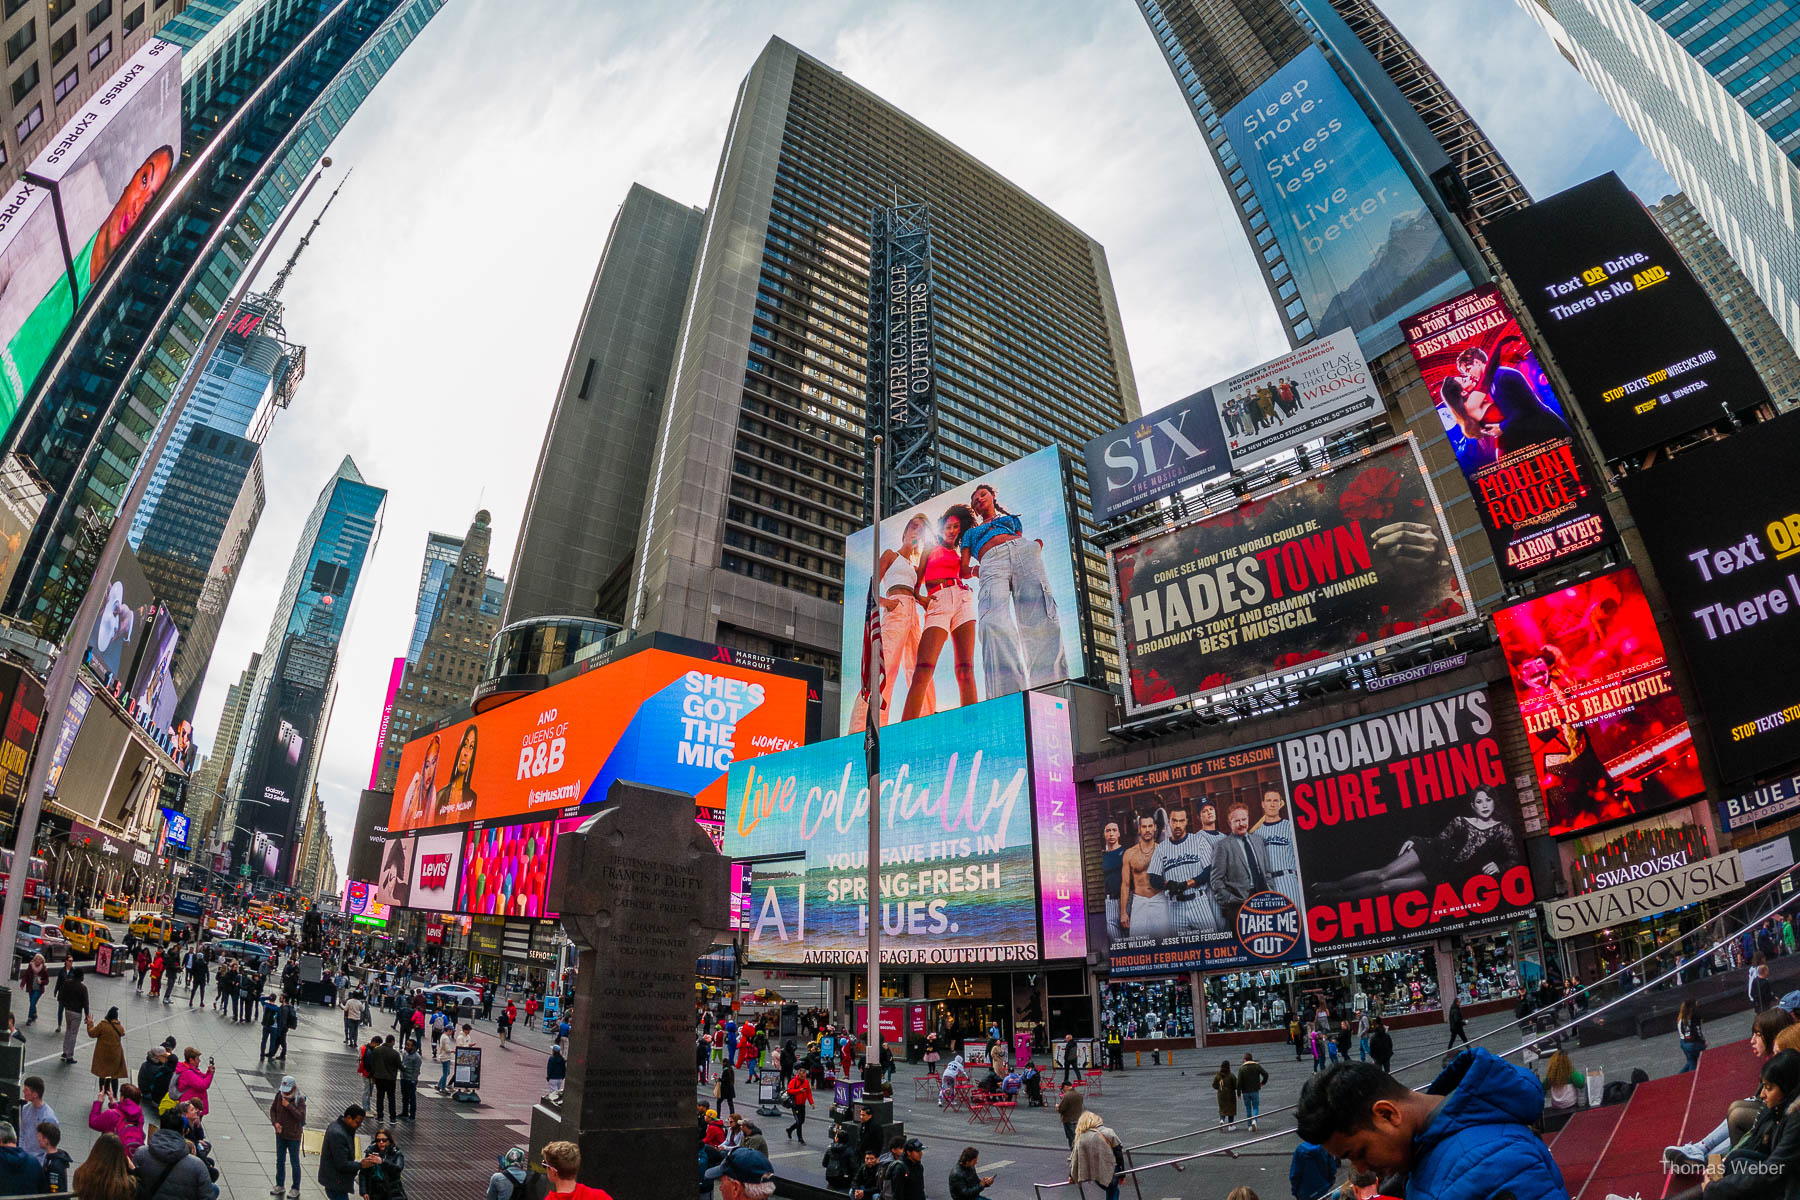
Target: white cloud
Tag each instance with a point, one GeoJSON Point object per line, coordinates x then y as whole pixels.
{"type": "Point", "coordinates": [438, 302]}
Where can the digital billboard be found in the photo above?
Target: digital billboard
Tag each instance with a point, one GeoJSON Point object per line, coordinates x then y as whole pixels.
{"type": "Point", "coordinates": [653, 717]}
{"type": "Point", "coordinates": [78, 205]}
{"type": "Point", "coordinates": [1062, 897]}
{"type": "Point", "coordinates": [1609, 738]}
{"type": "Point", "coordinates": [128, 610]}
{"type": "Point", "coordinates": [152, 685]}
{"type": "Point", "coordinates": [360, 901]}
{"type": "Point", "coordinates": [959, 883]}
{"type": "Point", "coordinates": [978, 594]}
{"type": "Point", "coordinates": [21, 491]}
{"type": "Point", "coordinates": [1534, 490]}
{"type": "Point", "coordinates": [1363, 247]}
{"type": "Point", "coordinates": [1345, 560]}
{"type": "Point", "coordinates": [1321, 388]}
{"type": "Point", "coordinates": [1647, 354]}
{"type": "Point", "coordinates": [175, 829]}
{"type": "Point", "coordinates": [1199, 863]}
{"type": "Point", "coordinates": [23, 695]}
{"type": "Point", "coordinates": [1722, 522]}
{"type": "Point", "coordinates": [506, 868]}
{"type": "Point", "coordinates": [80, 696]}
{"type": "Point", "coordinates": [1158, 455]}
{"type": "Point", "coordinates": [437, 867]}
{"type": "Point", "coordinates": [387, 716]}
{"type": "Point", "coordinates": [1407, 826]}
{"type": "Point", "coordinates": [394, 886]}
{"type": "Point", "coordinates": [369, 835]}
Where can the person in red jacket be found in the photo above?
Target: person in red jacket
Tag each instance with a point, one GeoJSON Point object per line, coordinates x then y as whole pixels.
{"type": "Point", "coordinates": [562, 1162]}
{"type": "Point", "coordinates": [800, 1094]}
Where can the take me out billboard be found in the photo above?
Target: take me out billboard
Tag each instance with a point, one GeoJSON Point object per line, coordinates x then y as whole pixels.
{"type": "Point", "coordinates": [653, 716]}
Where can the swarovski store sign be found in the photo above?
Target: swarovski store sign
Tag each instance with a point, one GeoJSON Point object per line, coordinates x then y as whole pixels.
{"type": "Point", "coordinates": [1678, 888]}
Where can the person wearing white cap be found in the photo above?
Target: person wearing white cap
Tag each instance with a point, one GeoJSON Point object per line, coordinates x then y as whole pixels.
{"type": "Point", "coordinates": [287, 1113]}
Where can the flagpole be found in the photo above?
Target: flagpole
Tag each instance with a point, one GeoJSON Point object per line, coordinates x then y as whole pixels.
{"type": "Point", "coordinates": [872, 987]}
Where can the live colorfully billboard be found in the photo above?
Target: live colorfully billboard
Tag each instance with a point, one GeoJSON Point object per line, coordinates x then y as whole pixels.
{"type": "Point", "coordinates": [653, 717]}
{"type": "Point", "coordinates": [1534, 490]}
{"type": "Point", "coordinates": [1173, 448]}
{"type": "Point", "coordinates": [979, 581]}
{"type": "Point", "coordinates": [1199, 863]}
{"type": "Point", "coordinates": [1609, 738]}
{"type": "Point", "coordinates": [959, 875]}
{"type": "Point", "coordinates": [1313, 392]}
{"type": "Point", "coordinates": [1343, 560]}
{"type": "Point", "coordinates": [1407, 826]}
{"type": "Point", "coordinates": [1643, 347]}
{"type": "Point", "coordinates": [1722, 522]}
{"type": "Point", "coordinates": [1358, 238]}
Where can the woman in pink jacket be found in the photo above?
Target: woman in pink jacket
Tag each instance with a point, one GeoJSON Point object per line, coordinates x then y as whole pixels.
{"type": "Point", "coordinates": [124, 1118]}
{"type": "Point", "coordinates": [191, 1082]}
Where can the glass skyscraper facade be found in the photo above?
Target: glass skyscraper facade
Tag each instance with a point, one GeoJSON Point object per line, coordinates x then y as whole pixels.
{"type": "Point", "coordinates": [1712, 87]}
{"type": "Point", "coordinates": [267, 86]}
{"type": "Point", "coordinates": [290, 701]}
{"type": "Point", "coordinates": [442, 552]}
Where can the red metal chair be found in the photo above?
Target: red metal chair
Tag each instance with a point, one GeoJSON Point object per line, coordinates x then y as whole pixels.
{"type": "Point", "coordinates": [980, 1106]}
{"type": "Point", "coordinates": [1002, 1109]}
{"type": "Point", "coordinates": [1092, 1080]}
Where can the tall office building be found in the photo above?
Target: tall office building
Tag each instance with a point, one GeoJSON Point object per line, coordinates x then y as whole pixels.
{"type": "Point", "coordinates": [1710, 87]}
{"type": "Point", "coordinates": [579, 538]}
{"type": "Point", "coordinates": [444, 556]}
{"type": "Point", "coordinates": [267, 85]}
{"type": "Point", "coordinates": [58, 53]}
{"type": "Point", "coordinates": [289, 709]}
{"type": "Point", "coordinates": [464, 613]}
{"type": "Point", "coordinates": [1400, 132]}
{"type": "Point", "coordinates": [758, 468]}
{"type": "Point", "coordinates": [207, 792]}
{"type": "Point", "coordinates": [1732, 295]}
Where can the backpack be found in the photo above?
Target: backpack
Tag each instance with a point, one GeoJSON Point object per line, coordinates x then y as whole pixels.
{"type": "Point", "coordinates": [890, 1179]}
{"type": "Point", "coordinates": [521, 1188]}
{"type": "Point", "coordinates": [1616, 1092]}
{"type": "Point", "coordinates": [1118, 1154]}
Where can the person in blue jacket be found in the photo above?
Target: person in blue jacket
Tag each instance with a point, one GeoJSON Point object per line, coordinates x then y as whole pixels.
{"type": "Point", "coordinates": [1465, 1137]}
{"type": "Point", "coordinates": [1312, 1172]}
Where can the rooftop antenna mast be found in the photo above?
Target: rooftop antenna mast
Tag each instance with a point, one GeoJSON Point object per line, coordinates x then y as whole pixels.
{"type": "Point", "coordinates": [281, 276]}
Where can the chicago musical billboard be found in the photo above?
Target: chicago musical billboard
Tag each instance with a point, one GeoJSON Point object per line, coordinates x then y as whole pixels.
{"type": "Point", "coordinates": [978, 594]}
{"type": "Point", "coordinates": [1609, 738]}
{"type": "Point", "coordinates": [1722, 522]}
{"type": "Point", "coordinates": [1534, 489]}
{"type": "Point", "coordinates": [1346, 559]}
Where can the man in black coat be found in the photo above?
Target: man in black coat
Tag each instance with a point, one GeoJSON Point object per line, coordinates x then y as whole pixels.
{"type": "Point", "coordinates": [338, 1164]}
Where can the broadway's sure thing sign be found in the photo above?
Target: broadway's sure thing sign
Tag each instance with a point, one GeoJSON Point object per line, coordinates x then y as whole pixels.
{"type": "Point", "coordinates": [1609, 738]}
{"type": "Point", "coordinates": [1347, 559]}
{"type": "Point", "coordinates": [1407, 824]}
{"type": "Point", "coordinates": [1533, 488]}
{"type": "Point", "coordinates": [1199, 864]}
{"type": "Point", "coordinates": [1633, 901]}
{"type": "Point", "coordinates": [1722, 522]}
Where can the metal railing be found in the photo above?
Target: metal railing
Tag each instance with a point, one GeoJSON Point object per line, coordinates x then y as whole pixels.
{"type": "Point", "coordinates": [1134, 1170]}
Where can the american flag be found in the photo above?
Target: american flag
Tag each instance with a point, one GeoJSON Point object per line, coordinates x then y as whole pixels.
{"type": "Point", "coordinates": [871, 681]}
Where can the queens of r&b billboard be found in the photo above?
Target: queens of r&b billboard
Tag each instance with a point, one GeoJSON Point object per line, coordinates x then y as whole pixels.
{"type": "Point", "coordinates": [977, 591]}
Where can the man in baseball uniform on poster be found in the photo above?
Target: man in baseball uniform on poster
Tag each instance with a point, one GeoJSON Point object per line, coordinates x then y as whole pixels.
{"type": "Point", "coordinates": [1272, 841]}
{"type": "Point", "coordinates": [1182, 867]}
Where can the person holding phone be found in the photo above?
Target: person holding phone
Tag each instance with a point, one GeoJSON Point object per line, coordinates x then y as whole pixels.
{"type": "Point", "coordinates": [191, 1082]}
{"type": "Point", "coordinates": [965, 1183]}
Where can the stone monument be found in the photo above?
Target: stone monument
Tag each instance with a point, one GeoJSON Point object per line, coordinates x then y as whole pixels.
{"type": "Point", "coordinates": [641, 889]}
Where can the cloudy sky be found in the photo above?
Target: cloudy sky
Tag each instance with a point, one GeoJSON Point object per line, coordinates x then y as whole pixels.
{"type": "Point", "coordinates": [438, 302]}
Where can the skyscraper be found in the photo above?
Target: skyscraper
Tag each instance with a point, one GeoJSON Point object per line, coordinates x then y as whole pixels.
{"type": "Point", "coordinates": [207, 794]}
{"type": "Point", "coordinates": [463, 611]}
{"type": "Point", "coordinates": [1731, 294]}
{"type": "Point", "coordinates": [579, 538]}
{"type": "Point", "coordinates": [289, 708]}
{"type": "Point", "coordinates": [267, 84]}
{"type": "Point", "coordinates": [444, 554]}
{"type": "Point", "coordinates": [1710, 87]}
{"type": "Point", "coordinates": [758, 467]}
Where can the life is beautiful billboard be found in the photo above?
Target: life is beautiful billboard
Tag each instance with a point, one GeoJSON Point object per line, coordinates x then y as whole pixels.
{"type": "Point", "coordinates": [654, 717]}
{"type": "Point", "coordinates": [980, 853]}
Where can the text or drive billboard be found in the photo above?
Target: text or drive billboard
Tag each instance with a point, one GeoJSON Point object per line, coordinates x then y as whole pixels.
{"type": "Point", "coordinates": [1199, 863]}
{"type": "Point", "coordinates": [1609, 738]}
{"type": "Point", "coordinates": [1646, 352]}
{"type": "Point", "coordinates": [1177, 447]}
{"type": "Point", "coordinates": [1309, 393]}
{"type": "Point", "coordinates": [653, 717]}
{"type": "Point", "coordinates": [1407, 826]}
{"type": "Point", "coordinates": [978, 594]}
{"type": "Point", "coordinates": [127, 612]}
{"type": "Point", "coordinates": [1534, 490]}
{"type": "Point", "coordinates": [1722, 522]}
{"type": "Point", "coordinates": [369, 835]}
{"type": "Point", "coordinates": [959, 880]}
{"type": "Point", "coordinates": [1362, 245]}
{"type": "Point", "coordinates": [1344, 560]}
{"type": "Point", "coordinates": [97, 180]}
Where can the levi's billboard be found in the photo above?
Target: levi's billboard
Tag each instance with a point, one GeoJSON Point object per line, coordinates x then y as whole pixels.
{"type": "Point", "coordinates": [1533, 487]}
{"type": "Point", "coordinates": [653, 717]}
{"type": "Point", "coordinates": [1344, 560]}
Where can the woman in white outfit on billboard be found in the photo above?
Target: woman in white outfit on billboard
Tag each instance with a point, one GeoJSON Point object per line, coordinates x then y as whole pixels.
{"type": "Point", "coordinates": [901, 623]}
{"type": "Point", "coordinates": [1015, 614]}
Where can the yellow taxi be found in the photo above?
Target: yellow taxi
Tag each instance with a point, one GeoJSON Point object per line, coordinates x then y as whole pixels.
{"type": "Point", "coordinates": [84, 934]}
{"type": "Point", "coordinates": [116, 908]}
{"type": "Point", "coordinates": [154, 927]}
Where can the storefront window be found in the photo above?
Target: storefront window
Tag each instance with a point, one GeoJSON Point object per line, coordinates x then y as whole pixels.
{"type": "Point", "coordinates": [1249, 1000]}
{"type": "Point", "coordinates": [1153, 1009]}
{"type": "Point", "coordinates": [1488, 968]}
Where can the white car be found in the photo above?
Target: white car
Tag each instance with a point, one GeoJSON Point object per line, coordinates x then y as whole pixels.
{"type": "Point", "coordinates": [445, 994]}
{"type": "Point", "coordinates": [36, 937]}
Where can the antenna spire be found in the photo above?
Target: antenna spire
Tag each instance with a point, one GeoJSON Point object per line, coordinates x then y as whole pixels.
{"type": "Point", "coordinates": [281, 277]}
